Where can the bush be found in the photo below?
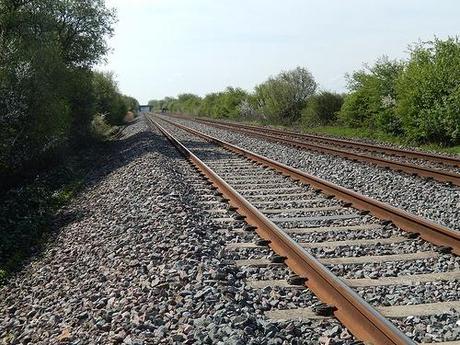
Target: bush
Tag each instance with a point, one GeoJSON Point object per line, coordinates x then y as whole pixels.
{"type": "Point", "coordinates": [225, 104]}
{"type": "Point", "coordinates": [282, 98]}
{"type": "Point", "coordinates": [322, 109]}
{"type": "Point", "coordinates": [47, 49]}
{"type": "Point", "coordinates": [108, 100]}
{"type": "Point", "coordinates": [428, 100]}
{"type": "Point", "coordinates": [100, 128]}
{"type": "Point", "coordinates": [186, 103]}
{"type": "Point", "coordinates": [371, 100]}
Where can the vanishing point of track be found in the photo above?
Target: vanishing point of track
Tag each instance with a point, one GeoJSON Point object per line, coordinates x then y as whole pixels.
{"type": "Point", "coordinates": [366, 322]}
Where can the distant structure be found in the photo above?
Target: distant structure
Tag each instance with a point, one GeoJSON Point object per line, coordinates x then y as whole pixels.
{"type": "Point", "coordinates": [145, 108]}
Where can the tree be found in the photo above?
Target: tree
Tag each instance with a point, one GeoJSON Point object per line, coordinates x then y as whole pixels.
{"type": "Point", "coordinates": [322, 109]}
{"type": "Point", "coordinates": [186, 103]}
{"type": "Point", "coordinates": [47, 48]}
{"type": "Point", "coordinates": [372, 97]}
{"type": "Point", "coordinates": [81, 27]}
{"type": "Point", "coordinates": [131, 103]}
{"type": "Point", "coordinates": [428, 92]}
{"type": "Point", "coordinates": [282, 98]}
{"type": "Point", "coordinates": [224, 104]}
{"type": "Point", "coordinates": [108, 100]}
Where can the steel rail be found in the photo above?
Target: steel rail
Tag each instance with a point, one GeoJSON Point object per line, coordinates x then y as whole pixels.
{"type": "Point", "coordinates": [439, 175]}
{"type": "Point", "coordinates": [454, 161]}
{"type": "Point", "coordinates": [365, 322]}
{"type": "Point", "coordinates": [427, 229]}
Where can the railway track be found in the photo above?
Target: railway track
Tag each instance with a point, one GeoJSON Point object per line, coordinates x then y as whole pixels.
{"type": "Point", "coordinates": [438, 167]}
{"type": "Point", "coordinates": [349, 258]}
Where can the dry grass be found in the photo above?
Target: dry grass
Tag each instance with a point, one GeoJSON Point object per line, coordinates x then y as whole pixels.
{"type": "Point", "coordinates": [129, 117]}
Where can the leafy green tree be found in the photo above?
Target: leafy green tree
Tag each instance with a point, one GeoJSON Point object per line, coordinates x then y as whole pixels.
{"type": "Point", "coordinates": [428, 92]}
{"type": "Point", "coordinates": [230, 101]}
{"type": "Point", "coordinates": [131, 103]}
{"type": "Point", "coordinates": [372, 97]}
{"type": "Point", "coordinates": [47, 48]}
{"type": "Point", "coordinates": [108, 100]}
{"type": "Point", "coordinates": [282, 98]}
{"type": "Point", "coordinates": [186, 103]}
{"type": "Point", "coordinates": [156, 104]}
{"type": "Point", "coordinates": [322, 109]}
{"type": "Point", "coordinates": [224, 104]}
{"type": "Point", "coordinates": [209, 105]}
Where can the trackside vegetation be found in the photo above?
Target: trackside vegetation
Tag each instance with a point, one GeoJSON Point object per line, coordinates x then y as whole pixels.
{"type": "Point", "coordinates": [411, 101]}
{"type": "Point", "coordinates": [49, 92]}
{"type": "Point", "coordinates": [52, 105]}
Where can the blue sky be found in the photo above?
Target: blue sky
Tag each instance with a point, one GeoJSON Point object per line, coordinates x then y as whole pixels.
{"type": "Point", "coordinates": [166, 47]}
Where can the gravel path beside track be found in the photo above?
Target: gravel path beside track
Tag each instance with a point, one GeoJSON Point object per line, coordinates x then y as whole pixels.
{"type": "Point", "coordinates": [138, 261]}
{"type": "Point", "coordinates": [433, 200]}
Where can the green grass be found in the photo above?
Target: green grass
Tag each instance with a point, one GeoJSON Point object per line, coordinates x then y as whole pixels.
{"type": "Point", "coordinates": [434, 147]}
{"type": "Point", "coordinates": [357, 133]}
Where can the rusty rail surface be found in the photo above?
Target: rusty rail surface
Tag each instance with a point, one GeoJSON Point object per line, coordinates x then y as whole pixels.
{"type": "Point", "coordinates": [439, 175]}
{"type": "Point", "coordinates": [357, 315]}
{"type": "Point", "coordinates": [427, 229]}
{"type": "Point", "coordinates": [448, 160]}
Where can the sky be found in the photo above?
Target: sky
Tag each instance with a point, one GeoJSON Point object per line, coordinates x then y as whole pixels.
{"type": "Point", "coordinates": [167, 47]}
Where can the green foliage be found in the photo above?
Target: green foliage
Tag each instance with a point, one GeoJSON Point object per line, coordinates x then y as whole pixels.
{"type": "Point", "coordinates": [100, 127]}
{"type": "Point", "coordinates": [371, 100]}
{"type": "Point", "coordinates": [428, 100]}
{"type": "Point", "coordinates": [322, 109]}
{"type": "Point", "coordinates": [185, 103]}
{"type": "Point", "coordinates": [167, 103]}
{"type": "Point", "coordinates": [109, 102]}
{"type": "Point", "coordinates": [47, 48]}
{"type": "Point", "coordinates": [223, 104]}
{"type": "Point", "coordinates": [156, 105]}
{"type": "Point", "coordinates": [131, 103]}
{"type": "Point", "coordinates": [282, 98]}
{"type": "Point", "coordinates": [418, 100]}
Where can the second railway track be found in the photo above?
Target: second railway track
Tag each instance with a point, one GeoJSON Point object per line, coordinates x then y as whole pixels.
{"type": "Point", "coordinates": [402, 277]}
{"type": "Point", "coordinates": [438, 167]}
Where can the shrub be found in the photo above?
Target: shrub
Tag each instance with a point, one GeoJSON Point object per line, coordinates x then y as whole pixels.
{"type": "Point", "coordinates": [108, 100]}
{"type": "Point", "coordinates": [225, 104]}
{"type": "Point", "coordinates": [321, 109]}
{"type": "Point", "coordinates": [132, 104]}
{"type": "Point", "coordinates": [47, 48]}
{"type": "Point", "coordinates": [282, 98]}
{"type": "Point", "coordinates": [371, 100]}
{"type": "Point", "coordinates": [100, 128]}
{"type": "Point", "coordinates": [187, 103]}
{"type": "Point", "coordinates": [428, 93]}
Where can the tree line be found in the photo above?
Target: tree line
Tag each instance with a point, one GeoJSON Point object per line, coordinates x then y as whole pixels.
{"type": "Point", "coordinates": [416, 99]}
{"type": "Point", "coordinates": [49, 93]}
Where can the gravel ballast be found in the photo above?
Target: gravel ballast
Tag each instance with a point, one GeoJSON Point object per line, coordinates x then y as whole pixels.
{"type": "Point", "coordinates": [138, 260]}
